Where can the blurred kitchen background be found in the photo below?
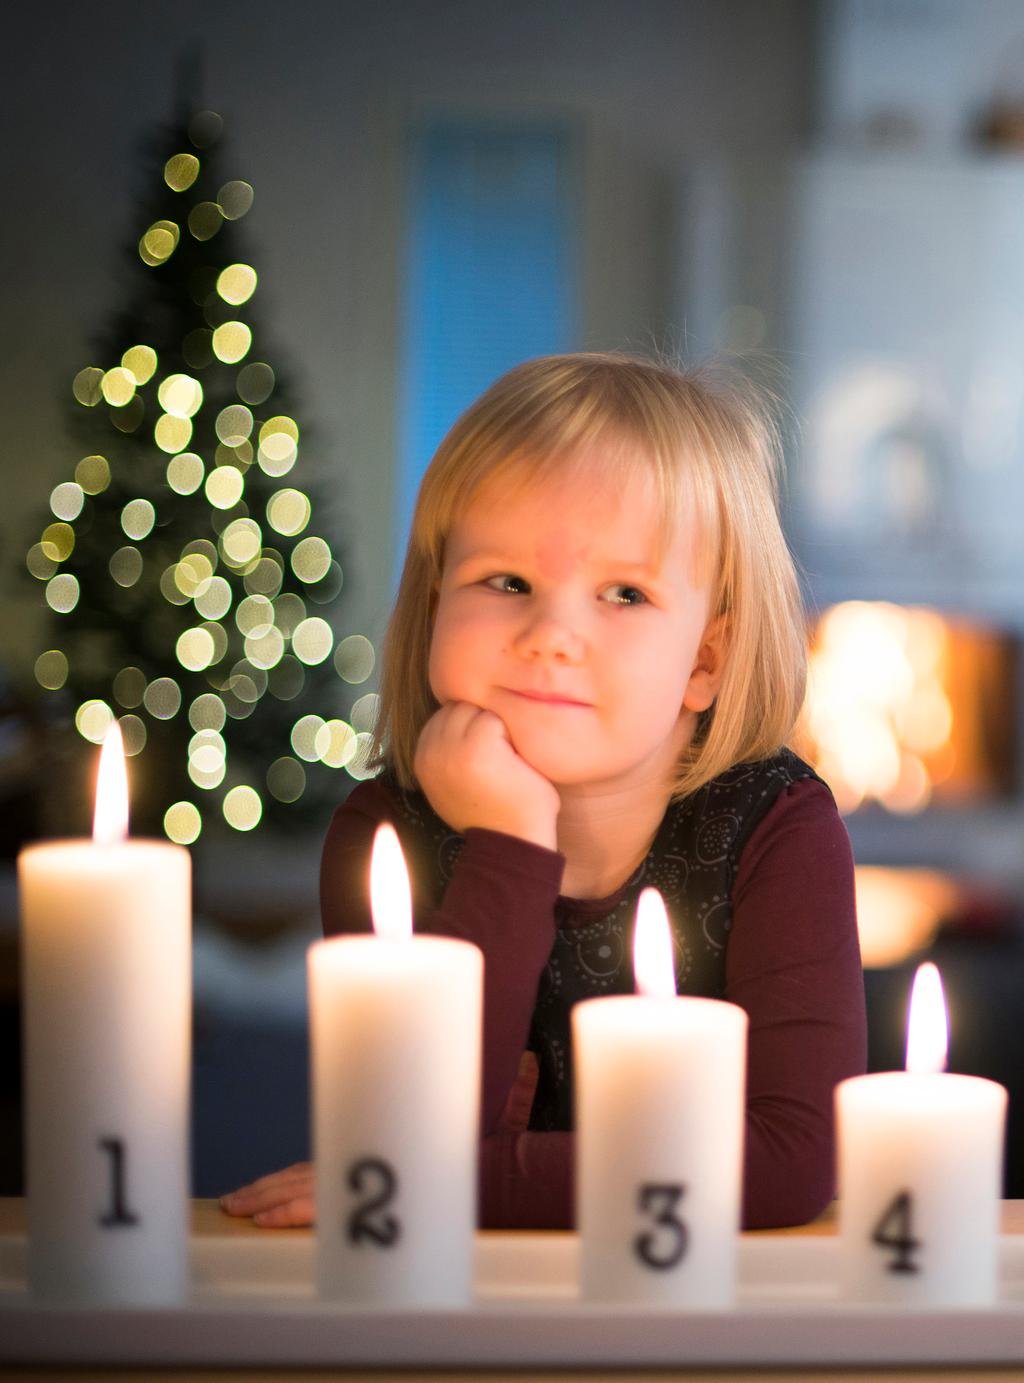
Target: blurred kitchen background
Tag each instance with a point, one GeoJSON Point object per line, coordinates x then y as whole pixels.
{"type": "Point", "coordinates": [829, 192]}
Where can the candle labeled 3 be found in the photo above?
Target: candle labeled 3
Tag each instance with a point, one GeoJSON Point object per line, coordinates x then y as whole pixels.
{"type": "Point", "coordinates": [660, 1086]}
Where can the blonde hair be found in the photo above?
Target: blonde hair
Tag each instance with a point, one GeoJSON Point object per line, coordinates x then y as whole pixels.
{"type": "Point", "coordinates": [702, 440]}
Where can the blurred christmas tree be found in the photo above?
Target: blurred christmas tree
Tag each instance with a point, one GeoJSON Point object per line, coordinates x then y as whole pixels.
{"type": "Point", "coordinates": [188, 590]}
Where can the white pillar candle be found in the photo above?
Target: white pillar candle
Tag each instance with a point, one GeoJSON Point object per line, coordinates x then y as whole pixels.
{"type": "Point", "coordinates": [920, 1173]}
{"type": "Point", "coordinates": [396, 1038]}
{"type": "Point", "coordinates": [107, 979]}
{"type": "Point", "coordinates": [660, 1085]}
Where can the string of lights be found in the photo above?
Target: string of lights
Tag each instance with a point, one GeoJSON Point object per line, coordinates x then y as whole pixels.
{"type": "Point", "coordinates": [187, 590]}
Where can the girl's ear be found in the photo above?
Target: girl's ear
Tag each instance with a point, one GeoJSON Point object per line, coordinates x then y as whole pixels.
{"type": "Point", "coordinates": [706, 676]}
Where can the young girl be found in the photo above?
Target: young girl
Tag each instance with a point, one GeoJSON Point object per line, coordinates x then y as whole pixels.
{"type": "Point", "coordinates": [595, 660]}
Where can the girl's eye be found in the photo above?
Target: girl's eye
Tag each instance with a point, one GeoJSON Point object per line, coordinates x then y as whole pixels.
{"type": "Point", "coordinates": [509, 585]}
{"type": "Point", "coordinates": [623, 595]}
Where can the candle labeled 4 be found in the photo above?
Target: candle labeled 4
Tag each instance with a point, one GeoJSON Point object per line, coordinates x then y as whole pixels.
{"type": "Point", "coordinates": [920, 1173]}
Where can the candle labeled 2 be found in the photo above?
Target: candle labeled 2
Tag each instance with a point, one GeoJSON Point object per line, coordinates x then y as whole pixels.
{"type": "Point", "coordinates": [395, 1029]}
{"type": "Point", "coordinates": [660, 1087]}
{"type": "Point", "coordinates": [107, 983]}
{"type": "Point", "coordinates": [920, 1173]}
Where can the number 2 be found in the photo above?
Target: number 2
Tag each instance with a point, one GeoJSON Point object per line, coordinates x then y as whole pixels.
{"type": "Point", "coordinates": [375, 1178]}
{"type": "Point", "coordinates": [664, 1246]}
{"type": "Point", "coordinates": [895, 1231]}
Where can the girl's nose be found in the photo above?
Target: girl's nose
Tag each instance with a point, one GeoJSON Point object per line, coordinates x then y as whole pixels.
{"type": "Point", "coordinates": [551, 634]}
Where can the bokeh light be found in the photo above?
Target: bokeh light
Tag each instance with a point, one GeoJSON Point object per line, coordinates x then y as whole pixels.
{"type": "Point", "coordinates": [235, 198]}
{"type": "Point", "coordinates": [172, 434]}
{"type": "Point", "coordinates": [130, 687]}
{"type": "Point", "coordinates": [312, 641]}
{"type": "Point", "coordinates": [195, 649]}
{"type": "Point", "coordinates": [215, 601]}
{"type": "Point", "coordinates": [58, 541]}
{"type": "Point", "coordinates": [237, 283]}
{"type": "Point", "coordinates": [303, 737]}
{"type": "Point", "coordinates": [181, 171]}
{"type": "Point", "coordinates": [133, 735]}
{"type": "Point", "coordinates": [278, 445]}
{"type": "Point", "coordinates": [231, 342]}
{"type": "Point", "coordinates": [311, 560]}
{"type": "Point", "coordinates": [162, 698]}
{"type": "Point", "coordinates": [205, 220]}
{"type": "Point", "coordinates": [207, 712]}
{"type": "Point", "coordinates": [93, 474]}
{"type": "Point", "coordinates": [180, 395]}
{"type": "Point", "coordinates": [354, 658]}
{"type": "Point", "coordinates": [66, 500]}
{"type": "Point", "coordinates": [335, 743]}
{"type": "Point", "coordinates": [288, 512]}
{"type": "Point", "coordinates": [286, 779]}
{"type": "Point", "coordinates": [51, 669]}
{"type": "Point", "coordinates": [140, 362]}
{"type": "Point", "coordinates": [185, 473]}
{"type": "Point", "coordinates": [92, 720]}
{"type": "Point", "coordinates": [255, 382]}
{"type": "Point", "coordinates": [241, 541]}
{"type": "Point", "coordinates": [87, 386]}
{"type": "Point", "coordinates": [224, 487]}
{"type": "Point", "coordinates": [159, 243]}
{"type": "Point", "coordinates": [125, 565]}
{"type": "Point", "coordinates": [182, 823]}
{"type": "Point", "coordinates": [62, 593]}
{"type": "Point", "coordinates": [234, 424]}
{"type": "Point", "coordinates": [137, 518]}
{"type": "Point", "coordinates": [39, 563]}
{"type": "Point", "coordinates": [118, 386]}
{"type": "Point", "coordinates": [243, 808]}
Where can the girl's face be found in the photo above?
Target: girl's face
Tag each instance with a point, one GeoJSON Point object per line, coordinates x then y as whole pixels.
{"type": "Point", "coordinates": [555, 613]}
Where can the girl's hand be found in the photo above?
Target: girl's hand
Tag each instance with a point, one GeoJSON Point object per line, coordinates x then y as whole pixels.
{"type": "Point", "coordinates": [472, 776]}
{"type": "Point", "coordinates": [281, 1200]}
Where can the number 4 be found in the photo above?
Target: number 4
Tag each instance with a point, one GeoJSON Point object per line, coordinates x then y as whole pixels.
{"type": "Point", "coordinates": [895, 1231]}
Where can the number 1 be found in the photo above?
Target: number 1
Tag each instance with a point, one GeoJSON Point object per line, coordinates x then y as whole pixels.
{"type": "Point", "coordinates": [118, 1214]}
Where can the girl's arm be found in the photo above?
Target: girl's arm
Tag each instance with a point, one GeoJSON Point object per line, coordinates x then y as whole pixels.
{"type": "Point", "coordinates": [793, 962]}
{"type": "Point", "coordinates": [501, 896]}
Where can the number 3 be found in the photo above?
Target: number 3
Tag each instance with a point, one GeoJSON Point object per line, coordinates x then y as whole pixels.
{"type": "Point", "coordinates": [665, 1246]}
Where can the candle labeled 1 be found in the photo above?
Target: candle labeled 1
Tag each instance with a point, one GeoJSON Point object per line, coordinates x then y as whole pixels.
{"type": "Point", "coordinates": [395, 1025]}
{"type": "Point", "coordinates": [660, 1088]}
{"type": "Point", "coordinates": [920, 1173]}
{"type": "Point", "coordinates": [107, 982]}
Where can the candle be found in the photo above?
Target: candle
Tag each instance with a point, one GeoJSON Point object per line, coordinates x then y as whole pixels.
{"type": "Point", "coordinates": [659, 1131]}
{"type": "Point", "coordinates": [920, 1172]}
{"type": "Point", "coordinates": [107, 975]}
{"type": "Point", "coordinates": [396, 1035]}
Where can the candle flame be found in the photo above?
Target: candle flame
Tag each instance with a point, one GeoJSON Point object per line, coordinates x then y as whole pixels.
{"type": "Point", "coordinates": [927, 1026]}
{"type": "Point", "coordinates": [390, 900]}
{"type": "Point", "coordinates": [110, 819]}
{"type": "Point", "coordinates": [652, 948]}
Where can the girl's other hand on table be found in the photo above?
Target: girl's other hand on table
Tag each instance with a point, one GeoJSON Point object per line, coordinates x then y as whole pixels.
{"type": "Point", "coordinates": [282, 1200]}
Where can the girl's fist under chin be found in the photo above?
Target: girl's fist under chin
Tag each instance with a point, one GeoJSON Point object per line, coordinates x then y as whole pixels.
{"type": "Point", "coordinates": [472, 776]}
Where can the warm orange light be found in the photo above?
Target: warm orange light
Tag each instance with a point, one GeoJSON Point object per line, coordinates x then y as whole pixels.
{"type": "Point", "coordinates": [390, 900]}
{"type": "Point", "coordinates": [652, 948]}
{"type": "Point", "coordinates": [110, 820]}
{"type": "Point", "coordinates": [927, 1028]}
